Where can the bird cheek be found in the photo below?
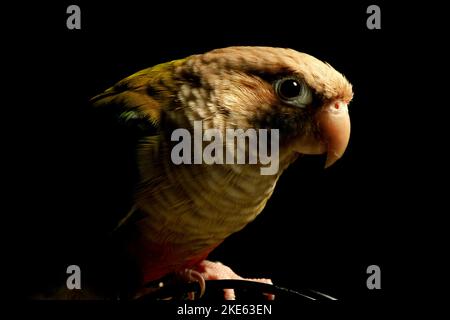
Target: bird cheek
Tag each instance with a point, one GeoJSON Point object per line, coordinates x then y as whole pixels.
{"type": "Point", "coordinates": [334, 125]}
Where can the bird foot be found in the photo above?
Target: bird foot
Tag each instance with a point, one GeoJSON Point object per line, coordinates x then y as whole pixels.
{"type": "Point", "coordinates": [209, 270]}
{"type": "Point", "coordinates": [205, 270]}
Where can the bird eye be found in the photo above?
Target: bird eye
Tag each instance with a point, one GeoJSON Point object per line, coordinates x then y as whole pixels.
{"type": "Point", "coordinates": [293, 91]}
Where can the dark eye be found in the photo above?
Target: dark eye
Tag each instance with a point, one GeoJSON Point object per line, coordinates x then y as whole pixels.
{"type": "Point", "coordinates": [293, 91]}
{"type": "Point", "coordinates": [289, 88]}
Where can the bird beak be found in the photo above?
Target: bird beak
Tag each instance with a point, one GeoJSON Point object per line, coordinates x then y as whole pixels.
{"type": "Point", "coordinates": [334, 125]}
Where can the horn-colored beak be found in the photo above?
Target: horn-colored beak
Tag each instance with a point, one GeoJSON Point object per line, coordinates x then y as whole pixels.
{"type": "Point", "coordinates": [334, 124]}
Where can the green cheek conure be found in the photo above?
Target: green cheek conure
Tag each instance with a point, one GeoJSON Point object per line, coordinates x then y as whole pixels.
{"type": "Point", "coordinates": [181, 212]}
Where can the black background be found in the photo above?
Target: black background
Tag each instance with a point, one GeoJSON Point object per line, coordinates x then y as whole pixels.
{"type": "Point", "coordinates": [320, 230]}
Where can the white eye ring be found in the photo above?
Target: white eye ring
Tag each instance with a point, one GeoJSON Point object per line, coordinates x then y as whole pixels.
{"type": "Point", "coordinates": [293, 91]}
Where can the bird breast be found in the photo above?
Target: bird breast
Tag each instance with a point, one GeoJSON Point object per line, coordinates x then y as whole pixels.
{"type": "Point", "coordinates": [200, 205]}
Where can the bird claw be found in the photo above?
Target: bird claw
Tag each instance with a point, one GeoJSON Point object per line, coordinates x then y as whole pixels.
{"type": "Point", "coordinates": [191, 275]}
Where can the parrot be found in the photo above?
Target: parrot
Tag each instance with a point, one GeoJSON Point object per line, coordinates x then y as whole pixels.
{"type": "Point", "coordinates": [180, 212]}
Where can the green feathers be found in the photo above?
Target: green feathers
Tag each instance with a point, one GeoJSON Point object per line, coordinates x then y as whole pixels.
{"type": "Point", "coordinates": [145, 92]}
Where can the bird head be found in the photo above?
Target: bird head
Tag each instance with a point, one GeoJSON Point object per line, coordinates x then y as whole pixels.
{"type": "Point", "coordinates": [245, 87]}
{"type": "Point", "coordinates": [264, 87]}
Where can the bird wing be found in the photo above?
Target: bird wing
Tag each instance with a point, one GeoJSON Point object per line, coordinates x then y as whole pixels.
{"type": "Point", "coordinates": [126, 117]}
